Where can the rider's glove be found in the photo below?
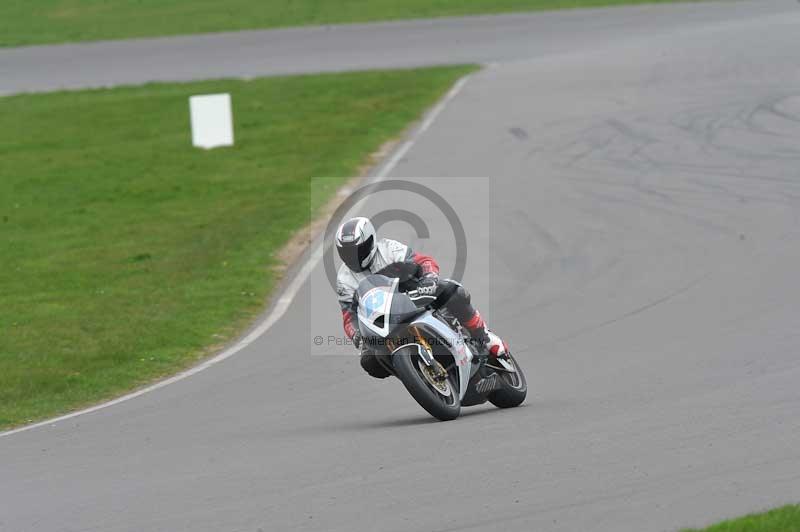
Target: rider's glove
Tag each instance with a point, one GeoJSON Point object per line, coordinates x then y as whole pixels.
{"type": "Point", "coordinates": [427, 285]}
{"type": "Point", "coordinates": [357, 340]}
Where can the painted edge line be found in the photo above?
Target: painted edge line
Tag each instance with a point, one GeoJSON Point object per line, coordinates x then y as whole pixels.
{"type": "Point", "coordinates": [283, 301]}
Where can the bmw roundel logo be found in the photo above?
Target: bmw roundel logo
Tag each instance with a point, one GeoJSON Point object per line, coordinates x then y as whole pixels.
{"type": "Point", "coordinates": [374, 302]}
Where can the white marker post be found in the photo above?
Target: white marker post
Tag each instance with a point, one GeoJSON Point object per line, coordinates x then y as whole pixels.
{"type": "Point", "coordinates": [212, 120]}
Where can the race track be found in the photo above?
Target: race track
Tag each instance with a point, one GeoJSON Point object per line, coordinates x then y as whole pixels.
{"type": "Point", "coordinates": [644, 249]}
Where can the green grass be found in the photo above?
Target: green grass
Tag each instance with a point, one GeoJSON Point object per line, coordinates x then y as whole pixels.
{"type": "Point", "coordinates": [785, 519]}
{"type": "Point", "coordinates": [51, 21]}
{"type": "Point", "coordinates": [126, 253]}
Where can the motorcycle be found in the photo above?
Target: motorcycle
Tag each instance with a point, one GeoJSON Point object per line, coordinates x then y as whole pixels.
{"type": "Point", "coordinates": [419, 342]}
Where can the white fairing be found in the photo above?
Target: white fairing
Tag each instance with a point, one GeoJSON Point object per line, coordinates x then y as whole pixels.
{"type": "Point", "coordinates": [377, 303]}
{"type": "Point", "coordinates": [455, 342]}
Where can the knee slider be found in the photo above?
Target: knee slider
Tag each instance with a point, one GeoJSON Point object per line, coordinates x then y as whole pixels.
{"type": "Point", "coordinates": [371, 365]}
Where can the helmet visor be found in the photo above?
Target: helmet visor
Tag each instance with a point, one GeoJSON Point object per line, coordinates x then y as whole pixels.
{"type": "Point", "coordinates": [354, 255]}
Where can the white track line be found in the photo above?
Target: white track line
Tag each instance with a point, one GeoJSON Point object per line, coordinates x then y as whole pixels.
{"type": "Point", "coordinates": [285, 299]}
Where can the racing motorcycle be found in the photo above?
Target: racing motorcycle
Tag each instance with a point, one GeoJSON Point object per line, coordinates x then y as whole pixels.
{"type": "Point", "coordinates": [419, 342]}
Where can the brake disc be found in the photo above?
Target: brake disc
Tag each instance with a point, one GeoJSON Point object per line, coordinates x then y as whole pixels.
{"type": "Point", "coordinates": [436, 376]}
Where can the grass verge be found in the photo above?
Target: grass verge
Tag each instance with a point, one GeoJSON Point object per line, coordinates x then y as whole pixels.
{"type": "Point", "coordinates": [51, 21]}
{"type": "Point", "coordinates": [127, 254]}
{"type": "Point", "coordinates": [784, 519]}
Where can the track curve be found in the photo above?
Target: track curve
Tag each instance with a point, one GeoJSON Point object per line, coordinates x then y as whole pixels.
{"type": "Point", "coordinates": [648, 192]}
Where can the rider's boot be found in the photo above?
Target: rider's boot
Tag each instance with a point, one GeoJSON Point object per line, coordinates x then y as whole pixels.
{"type": "Point", "coordinates": [497, 346]}
{"type": "Point", "coordinates": [487, 341]}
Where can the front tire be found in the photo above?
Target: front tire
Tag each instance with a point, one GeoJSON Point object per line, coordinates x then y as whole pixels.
{"type": "Point", "coordinates": [514, 387]}
{"type": "Point", "coordinates": [408, 368]}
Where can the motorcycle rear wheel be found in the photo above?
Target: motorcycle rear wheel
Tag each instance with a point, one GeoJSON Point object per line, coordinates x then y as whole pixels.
{"type": "Point", "coordinates": [514, 387]}
{"type": "Point", "coordinates": [409, 369]}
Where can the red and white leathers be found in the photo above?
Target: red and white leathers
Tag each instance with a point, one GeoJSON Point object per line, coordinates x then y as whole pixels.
{"type": "Point", "coordinates": [391, 251]}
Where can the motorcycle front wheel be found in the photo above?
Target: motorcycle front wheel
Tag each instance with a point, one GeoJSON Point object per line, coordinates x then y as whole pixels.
{"type": "Point", "coordinates": [437, 396]}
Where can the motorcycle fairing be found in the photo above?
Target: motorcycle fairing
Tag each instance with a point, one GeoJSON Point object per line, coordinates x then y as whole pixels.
{"type": "Point", "coordinates": [376, 304]}
{"type": "Point", "coordinates": [455, 343]}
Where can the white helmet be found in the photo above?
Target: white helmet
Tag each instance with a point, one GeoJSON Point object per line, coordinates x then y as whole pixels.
{"type": "Point", "coordinates": [355, 242]}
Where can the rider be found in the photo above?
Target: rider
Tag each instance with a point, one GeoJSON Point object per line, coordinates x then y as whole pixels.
{"type": "Point", "coordinates": [363, 253]}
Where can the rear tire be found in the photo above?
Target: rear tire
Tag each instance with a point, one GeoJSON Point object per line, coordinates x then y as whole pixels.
{"type": "Point", "coordinates": [406, 369]}
{"type": "Point", "coordinates": [514, 390]}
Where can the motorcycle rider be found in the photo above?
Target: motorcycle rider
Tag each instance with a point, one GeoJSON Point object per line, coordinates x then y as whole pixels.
{"type": "Point", "coordinates": [363, 253]}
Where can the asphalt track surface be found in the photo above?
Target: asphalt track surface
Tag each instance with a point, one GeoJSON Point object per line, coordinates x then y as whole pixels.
{"type": "Point", "coordinates": [644, 242]}
{"type": "Point", "coordinates": [358, 46]}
